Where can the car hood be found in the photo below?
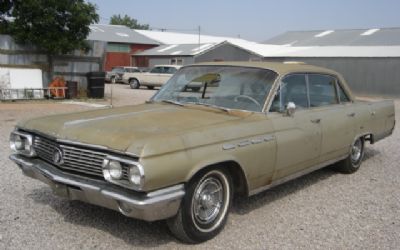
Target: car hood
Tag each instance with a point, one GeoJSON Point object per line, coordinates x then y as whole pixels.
{"type": "Point", "coordinates": [143, 130]}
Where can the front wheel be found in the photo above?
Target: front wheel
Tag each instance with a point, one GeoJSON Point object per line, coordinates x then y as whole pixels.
{"type": "Point", "coordinates": [353, 162]}
{"type": "Point", "coordinates": [134, 83]}
{"type": "Point", "coordinates": [205, 207]}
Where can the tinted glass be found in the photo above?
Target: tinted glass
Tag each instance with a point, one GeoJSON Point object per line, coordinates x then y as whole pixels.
{"type": "Point", "coordinates": [294, 89]}
{"type": "Point", "coordinates": [222, 86]}
{"type": "Point", "coordinates": [170, 70]}
{"type": "Point", "coordinates": [322, 90]}
{"type": "Point", "coordinates": [156, 70]}
{"type": "Point", "coordinates": [117, 69]}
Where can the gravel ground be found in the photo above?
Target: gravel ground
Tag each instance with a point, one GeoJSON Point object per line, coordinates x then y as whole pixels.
{"type": "Point", "coordinates": [323, 210]}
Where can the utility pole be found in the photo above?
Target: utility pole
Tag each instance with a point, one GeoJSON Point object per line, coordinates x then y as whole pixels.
{"type": "Point", "coordinates": [199, 35]}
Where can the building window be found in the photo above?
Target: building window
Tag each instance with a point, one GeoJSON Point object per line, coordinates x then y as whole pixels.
{"type": "Point", "coordinates": [116, 47]}
{"type": "Point", "coordinates": [176, 61]}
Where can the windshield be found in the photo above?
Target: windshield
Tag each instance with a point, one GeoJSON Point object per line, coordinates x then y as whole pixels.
{"type": "Point", "coordinates": [227, 87]}
{"type": "Point", "coordinates": [117, 69]}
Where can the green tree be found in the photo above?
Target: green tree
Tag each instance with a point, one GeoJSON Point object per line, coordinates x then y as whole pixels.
{"type": "Point", "coordinates": [128, 21]}
{"type": "Point", "coordinates": [53, 26]}
{"type": "Point", "coordinates": [5, 10]}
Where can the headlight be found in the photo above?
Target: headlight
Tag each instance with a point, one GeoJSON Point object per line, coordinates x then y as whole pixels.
{"type": "Point", "coordinates": [123, 172]}
{"type": "Point", "coordinates": [135, 176]}
{"type": "Point", "coordinates": [22, 143]}
{"type": "Point", "coordinates": [115, 170]}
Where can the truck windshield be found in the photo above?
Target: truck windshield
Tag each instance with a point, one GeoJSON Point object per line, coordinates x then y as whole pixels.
{"type": "Point", "coordinates": [227, 87]}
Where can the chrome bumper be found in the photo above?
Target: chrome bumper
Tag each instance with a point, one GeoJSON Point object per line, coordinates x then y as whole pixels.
{"type": "Point", "coordinates": [152, 206]}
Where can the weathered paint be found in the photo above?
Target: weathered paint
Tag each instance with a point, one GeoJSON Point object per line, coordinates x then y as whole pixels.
{"type": "Point", "coordinates": [174, 142]}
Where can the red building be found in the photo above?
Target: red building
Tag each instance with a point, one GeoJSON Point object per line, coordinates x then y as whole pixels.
{"type": "Point", "coordinates": [122, 42]}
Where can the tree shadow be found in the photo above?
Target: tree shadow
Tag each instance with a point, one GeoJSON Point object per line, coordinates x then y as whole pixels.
{"type": "Point", "coordinates": [133, 232]}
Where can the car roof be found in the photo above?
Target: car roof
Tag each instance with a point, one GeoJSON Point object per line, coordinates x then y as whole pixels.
{"type": "Point", "coordinates": [126, 67]}
{"type": "Point", "coordinates": [281, 68]}
{"type": "Point", "coordinates": [168, 65]}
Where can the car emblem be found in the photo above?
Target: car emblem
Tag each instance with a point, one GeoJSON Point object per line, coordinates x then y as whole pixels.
{"type": "Point", "coordinates": [58, 156]}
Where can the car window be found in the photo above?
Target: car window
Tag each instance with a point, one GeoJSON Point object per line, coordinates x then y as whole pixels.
{"type": "Point", "coordinates": [342, 95]}
{"type": "Point", "coordinates": [156, 70]}
{"type": "Point", "coordinates": [170, 70]}
{"type": "Point", "coordinates": [117, 69]}
{"type": "Point", "coordinates": [322, 90]}
{"type": "Point", "coordinates": [294, 89]}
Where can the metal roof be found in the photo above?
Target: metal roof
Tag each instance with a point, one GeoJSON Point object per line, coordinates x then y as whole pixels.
{"type": "Point", "coordinates": [177, 50]}
{"type": "Point", "coordinates": [349, 37]}
{"type": "Point", "coordinates": [118, 34]}
{"type": "Point", "coordinates": [185, 38]}
{"type": "Point", "coordinates": [333, 51]}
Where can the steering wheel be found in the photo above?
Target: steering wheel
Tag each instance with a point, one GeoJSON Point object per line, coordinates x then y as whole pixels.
{"type": "Point", "coordinates": [247, 97]}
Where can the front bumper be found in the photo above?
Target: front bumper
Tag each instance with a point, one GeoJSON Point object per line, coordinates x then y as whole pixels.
{"type": "Point", "coordinates": [152, 206]}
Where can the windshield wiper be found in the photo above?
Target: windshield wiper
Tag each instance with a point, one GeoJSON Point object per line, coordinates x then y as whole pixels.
{"type": "Point", "coordinates": [173, 102]}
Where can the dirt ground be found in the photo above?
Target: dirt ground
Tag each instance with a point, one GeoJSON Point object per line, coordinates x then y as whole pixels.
{"type": "Point", "coordinates": [322, 210]}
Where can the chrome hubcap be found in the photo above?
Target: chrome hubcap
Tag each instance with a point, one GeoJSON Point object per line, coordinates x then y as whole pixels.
{"type": "Point", "coordinates": [356, 151]}
{"type": "Point", "coordinates": [208, 200]}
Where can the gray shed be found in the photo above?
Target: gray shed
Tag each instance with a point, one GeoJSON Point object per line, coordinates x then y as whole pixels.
{"type": "Point", "coordinates": [369, 59]}
{"type": "Point", "coordinates": [184, 54]}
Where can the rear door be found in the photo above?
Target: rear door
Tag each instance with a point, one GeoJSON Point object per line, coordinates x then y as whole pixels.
{"type": "Point", "coordinates": [166, 74]}
{"type": "Point", "coordinates": [336, 115]}
{"type": "Point", "coordinates": [151, 78]}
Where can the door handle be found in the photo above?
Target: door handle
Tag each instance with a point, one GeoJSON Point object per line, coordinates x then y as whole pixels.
{"type": "Point", "coordinates": [351, 114]}
{"type": "Point", "coordinates": [316, 120]}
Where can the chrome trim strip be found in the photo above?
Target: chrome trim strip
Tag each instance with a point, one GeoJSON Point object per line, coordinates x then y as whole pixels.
{"type": "Point", "coordinates": [76, 143]}
{"type": "Point", "coordinates": [295, 175]}
{"type": "Point", "coordinates": [156, 205]}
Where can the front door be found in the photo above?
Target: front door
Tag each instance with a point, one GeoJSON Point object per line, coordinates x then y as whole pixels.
{"type": "Point", "coordinates": [298, 136]}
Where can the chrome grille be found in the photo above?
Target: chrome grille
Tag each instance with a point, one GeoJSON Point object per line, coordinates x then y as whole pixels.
{"type": "Point", "coordinates": [76, 159]}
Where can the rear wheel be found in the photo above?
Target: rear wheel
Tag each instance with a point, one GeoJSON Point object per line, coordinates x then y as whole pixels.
{"type": "Point", "coordinates": [205, 207]}
{"type": "Point", "coordinates": [352, 163]}
{"type": "Point", "coordinates": [134, 83]}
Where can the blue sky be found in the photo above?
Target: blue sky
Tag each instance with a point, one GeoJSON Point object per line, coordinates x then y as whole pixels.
{"type": "Point", "coordinates": [255, 20]}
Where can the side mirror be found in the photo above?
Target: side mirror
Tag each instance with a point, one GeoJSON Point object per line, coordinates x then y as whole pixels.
{"type": "Point", "coordinates": [290, 108]}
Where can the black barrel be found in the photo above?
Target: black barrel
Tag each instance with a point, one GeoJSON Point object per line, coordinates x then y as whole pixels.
{"type": "Point", "coordinates": [95, 85]}
{"type": "Point", "coordinates": [72, 91]}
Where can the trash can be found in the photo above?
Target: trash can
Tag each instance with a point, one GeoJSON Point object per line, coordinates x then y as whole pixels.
{"type": "Point", "coordinates": [72, 89]}
{"type": "Point", "coordinates": [95, 86]}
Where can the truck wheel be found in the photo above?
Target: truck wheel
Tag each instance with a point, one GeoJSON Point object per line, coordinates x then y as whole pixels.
{"type": "Point", "coordinates": [352, 163]}
{"type": "Point", "coordinates": [205, 207]}
{"type": "Point", "coordinates": [134, 83]}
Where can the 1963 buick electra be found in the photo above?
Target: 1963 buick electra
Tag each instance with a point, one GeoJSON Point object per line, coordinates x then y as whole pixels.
{"type": "Point", "coordinates": [214, 131]}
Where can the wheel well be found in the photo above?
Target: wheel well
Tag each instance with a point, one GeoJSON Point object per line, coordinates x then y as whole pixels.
{"type": "Point", "coordinates": [133, 78]}
{"type": "Point", "coordinates": [239, 180]}
{"type": "Point", "coordinates": [368, 137]}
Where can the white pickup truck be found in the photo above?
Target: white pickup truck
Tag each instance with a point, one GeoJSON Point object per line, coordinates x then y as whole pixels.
{"type": "Point", "coordinates": [156, 77]}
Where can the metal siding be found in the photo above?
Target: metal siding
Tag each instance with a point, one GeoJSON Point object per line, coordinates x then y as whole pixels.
{"type": "Point", "coordinates": [365, 76]}
{"type": "Point", "coordinates": [350, 37]}
{"type": "Point", "coordinates": [225, 52]}
{"type": "Point", "coordinates": [167, 60]}
{"type": "Point", "coordinates": [73, 66]}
